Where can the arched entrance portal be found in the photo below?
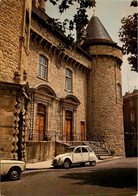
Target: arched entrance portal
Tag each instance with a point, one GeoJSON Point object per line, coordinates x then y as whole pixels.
{"type": "Point", "coordinates": [69, 104]}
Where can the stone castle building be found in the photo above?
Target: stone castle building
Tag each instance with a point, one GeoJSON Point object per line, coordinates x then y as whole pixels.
{"type": "Point", "coordinates": [52, 92]}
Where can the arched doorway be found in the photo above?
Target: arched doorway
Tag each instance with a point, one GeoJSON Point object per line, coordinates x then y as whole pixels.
{"type": "Point", "coordinates": [69, 104]}
{"type": "Point", "coordinates": [41, 105]}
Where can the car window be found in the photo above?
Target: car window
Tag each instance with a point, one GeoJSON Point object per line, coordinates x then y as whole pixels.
{"type": "Point", "coordinates": [70, 149]}
{"type": "Point", "coordinates": [77, 150]}
{"type": "Point", "coordinates": [84, 149]}
{"type": "Point", "coordinates": [89, 149]}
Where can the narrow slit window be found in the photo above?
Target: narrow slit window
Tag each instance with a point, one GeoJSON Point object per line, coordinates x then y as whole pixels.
{"type": "Point", "coordinates": [119, 94]}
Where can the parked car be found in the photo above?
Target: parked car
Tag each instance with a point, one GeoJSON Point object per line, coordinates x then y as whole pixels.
{"type": "Point", "coordinates": [11, 168]}
{"type": "Point", "coordinates": [75, 155]}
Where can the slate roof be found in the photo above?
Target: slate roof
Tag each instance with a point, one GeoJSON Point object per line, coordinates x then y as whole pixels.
{"type": "Point", "coordinates": [96, 31]}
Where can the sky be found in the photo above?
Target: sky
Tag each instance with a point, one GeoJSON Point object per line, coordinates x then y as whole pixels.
{"type": "Point", "coordinates": [110, 13]}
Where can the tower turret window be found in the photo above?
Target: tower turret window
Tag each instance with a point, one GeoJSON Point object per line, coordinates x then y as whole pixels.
{"type": "Point", "coordinates": [119, 93]}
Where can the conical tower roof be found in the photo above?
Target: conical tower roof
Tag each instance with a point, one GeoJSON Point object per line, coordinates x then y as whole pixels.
{"type": "Point", "coordinates": [96, 31]}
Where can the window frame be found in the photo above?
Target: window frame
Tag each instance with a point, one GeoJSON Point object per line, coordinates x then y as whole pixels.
{"type": "Point", "coordinates": [76, 149]}
{"type": "Point", "coordinates": [66, 79]}
{"type": "Point", "coordinates": [119, 91]}
{"type": "Point", "coordinates": [132, 116]}
{"type": "Point", "coordinates": [43, 66]}
{"type": "Point", "coordinates": [84, 151]}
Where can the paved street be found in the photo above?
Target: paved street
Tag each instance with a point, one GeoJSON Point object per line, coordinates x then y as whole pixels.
{"type": "Point", "coordinates": [111, 178]}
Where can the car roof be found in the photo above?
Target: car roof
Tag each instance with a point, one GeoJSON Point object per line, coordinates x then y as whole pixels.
{"type": "Point", "coordinates": [11, 161]}
{"type": "Point", "coordinates": [79, 146]}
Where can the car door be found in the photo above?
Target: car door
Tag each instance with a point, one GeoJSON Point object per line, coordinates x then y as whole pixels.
{"type": "Point", "coordinates": [77, 155]}
{"type": "Point", "coordinates": [85, 154]}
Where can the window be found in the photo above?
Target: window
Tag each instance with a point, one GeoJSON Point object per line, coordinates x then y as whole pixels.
{"type": "Point", "coordinates": [132, 116]}
{"type": "Point", "coordinates": [131, 103]}
{"type": "Point", "coordinates": [84, 150]}
{"type": "Point", "coordinates": [89, 149]}
{"type": "Point", "coordinates": [68, 80]}
{"type": "Point", "coordinates": [119, 94]}
{"type": "Point", "coordinates": [42, 73]}
{"type": "Point", "coordinates": [78, 150]}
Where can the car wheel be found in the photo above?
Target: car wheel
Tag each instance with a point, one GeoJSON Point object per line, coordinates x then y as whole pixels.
{"type": "Point", "coordinates": [56, 166]}
{"type": "Point", "coordinates": [66, 164]}
{"type": "Point", "coordinates": [14, 174]}
{"type": "Point", "coordinates": [92, 163]}
{"type": "Point", "coordinates": [82, 164]}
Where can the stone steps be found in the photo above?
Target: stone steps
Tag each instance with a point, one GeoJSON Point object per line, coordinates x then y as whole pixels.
{"type": "Point", "coordinates": [99, 151]}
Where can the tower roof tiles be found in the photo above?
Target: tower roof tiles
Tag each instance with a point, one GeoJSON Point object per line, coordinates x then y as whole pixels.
{"type": "Point", "coordinates": [96, 31]}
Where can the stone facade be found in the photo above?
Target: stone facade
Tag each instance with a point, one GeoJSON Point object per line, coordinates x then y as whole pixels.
{"type": "Point", "coordinates": [107, 107]}
{"type": "Point", "coordinates": [130, 111]}
{"type": "Point", "coordinates": [43, 108]}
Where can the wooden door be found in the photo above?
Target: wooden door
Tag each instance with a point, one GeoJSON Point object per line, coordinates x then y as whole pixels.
{"type": "Point", "coordinates": [68, 129]}
{"type": "Point", "coordinates": [82, 131]}
{"type": "Point", "coordinates": [40, 126]}
{"type": "Point", "coordinates": [68, 126]}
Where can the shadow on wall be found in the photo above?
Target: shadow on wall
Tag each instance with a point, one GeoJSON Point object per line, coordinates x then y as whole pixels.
{"type": "Point", "coordinates": [116, 177]}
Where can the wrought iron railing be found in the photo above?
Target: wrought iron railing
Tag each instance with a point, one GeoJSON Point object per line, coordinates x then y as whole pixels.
{"type": "Point", "coordinates": [56, 136]}
{"type": "Point", "coordinates": [66, 138]}
{"type": "Point", "coordinates": [100, 139]}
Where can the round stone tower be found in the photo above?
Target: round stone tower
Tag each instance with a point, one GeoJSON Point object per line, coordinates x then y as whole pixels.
{"type": "Point", "coordinates": [105, 114]}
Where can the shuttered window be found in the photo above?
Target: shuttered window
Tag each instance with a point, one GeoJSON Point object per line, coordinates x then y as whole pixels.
{"type": "Point", "coordinates": [68, 80]}
{"type": "Point", "coordinates": [42, 72]}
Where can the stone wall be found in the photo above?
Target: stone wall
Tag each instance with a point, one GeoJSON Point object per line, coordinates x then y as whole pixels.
{"type": "Point", "coordinates": [107, 114]}
{"type": "Point", "coordinates": [39, 151]}
{"type": "Point", "coordinates": [41, 29]}
{"type": "Point", "coordinates": [106, 50]}
{"type": "Point", "coordinates": [56, 80]}
{"type": "Point", "coordinates": [13, 121]}
{"type": "Point", "coordinates": [11, 15]}
{"type": "Point", "coordinates": [60, 148]}
{"type": "Point", "coordinates": [7, 124]}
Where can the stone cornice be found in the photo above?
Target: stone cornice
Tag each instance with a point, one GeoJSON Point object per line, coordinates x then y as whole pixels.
{"type": "Point", "coordinates": [58, 51]}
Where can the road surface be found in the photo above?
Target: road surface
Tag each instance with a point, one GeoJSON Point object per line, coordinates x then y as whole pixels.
{"type": "Point", "coordinates": [110, 178]}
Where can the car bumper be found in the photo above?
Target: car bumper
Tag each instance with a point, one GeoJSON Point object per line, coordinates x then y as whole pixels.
{"type": "Point", "coordinates": [56, 162]}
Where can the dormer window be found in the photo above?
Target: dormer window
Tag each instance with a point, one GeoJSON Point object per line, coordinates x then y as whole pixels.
{"type": "Point", "coordinates": [68, 80]}
{"type": "Point", "coordinates": [42, 73]}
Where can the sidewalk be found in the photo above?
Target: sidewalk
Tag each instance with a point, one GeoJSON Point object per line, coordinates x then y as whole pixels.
{"type": "Point", "coordinates": [47, 164]}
